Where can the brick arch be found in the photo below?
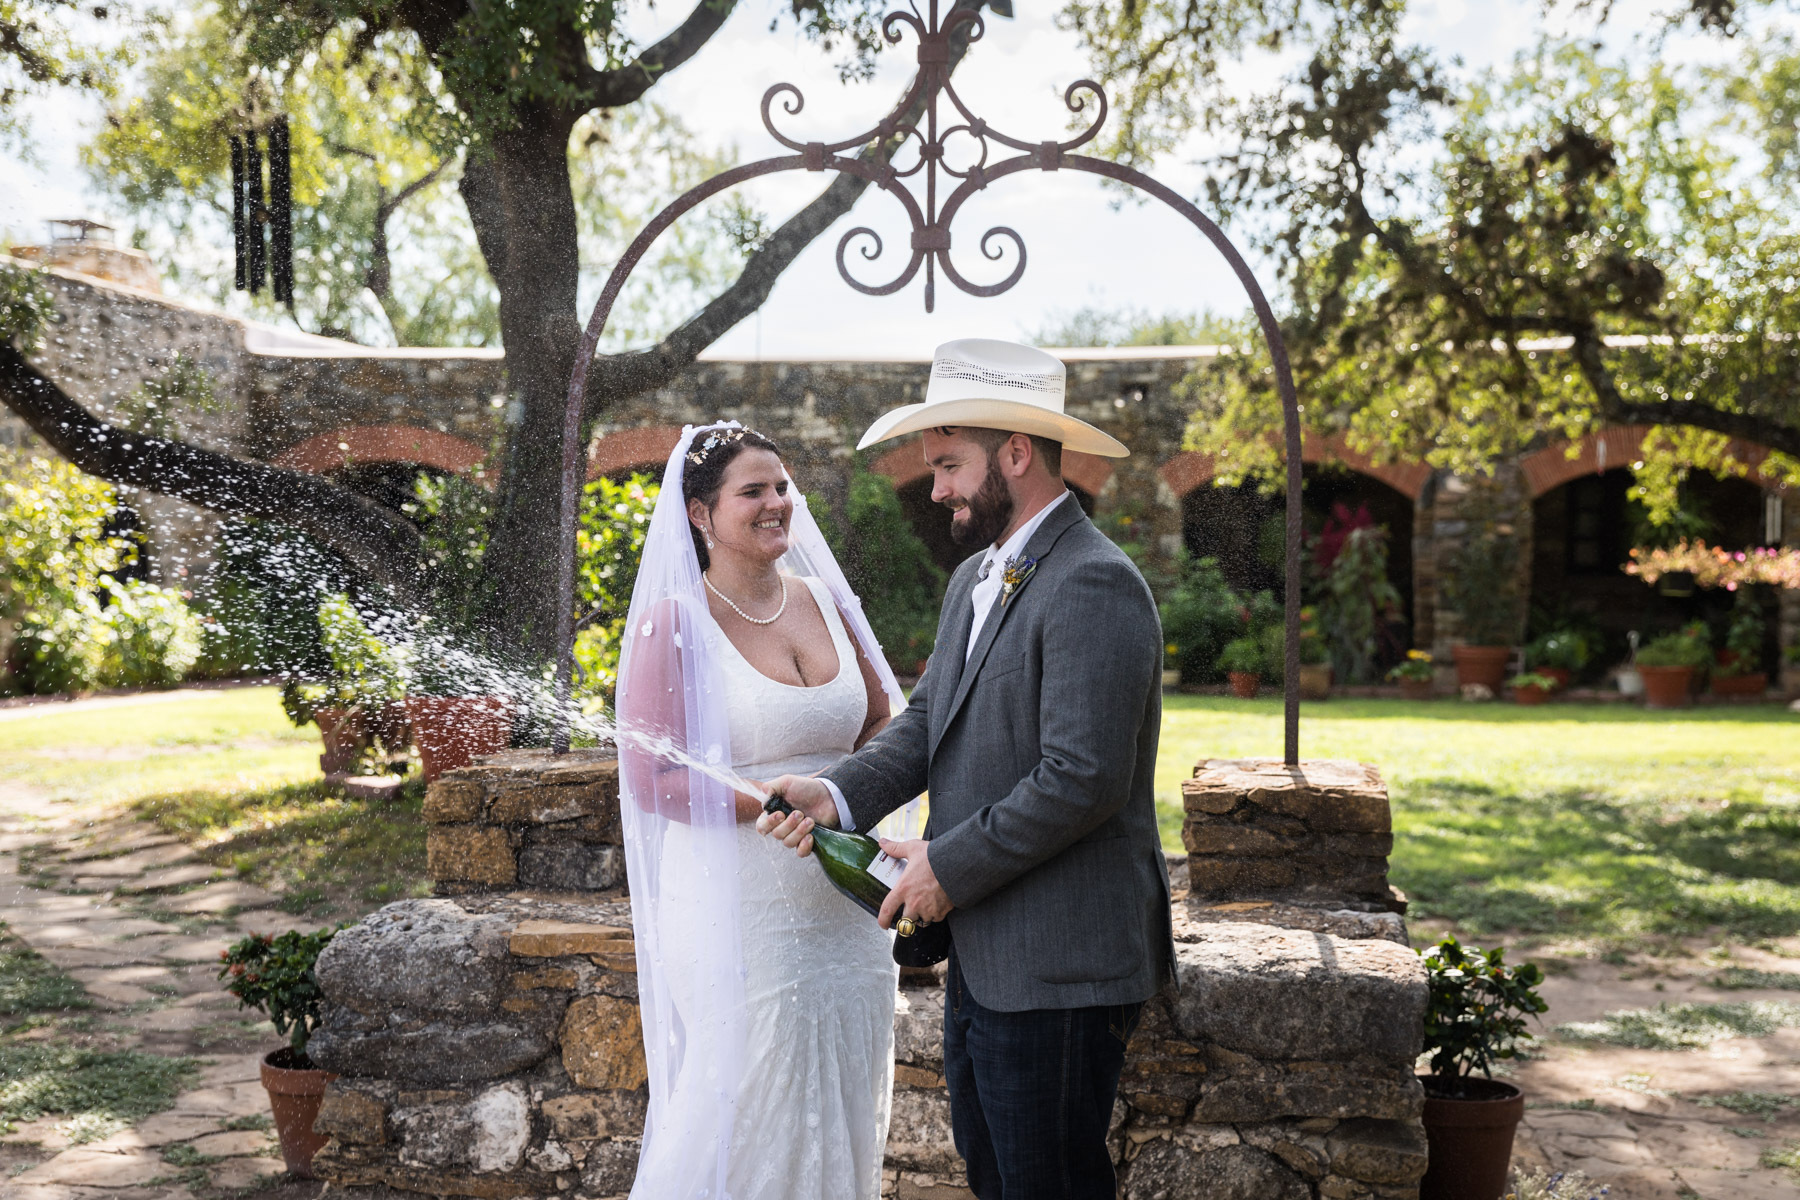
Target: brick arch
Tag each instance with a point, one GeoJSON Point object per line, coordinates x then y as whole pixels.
{"type": "Point", "coordinates": [905, 463]}
{"type": "Point", "coordinates": [1190, 469]}
{"type": "Point", "coordinates": [645, 448]}
{"type": "Point", "coordinates": [357, 444]}
{"type": "Point", "coordinates": [1612, 447]}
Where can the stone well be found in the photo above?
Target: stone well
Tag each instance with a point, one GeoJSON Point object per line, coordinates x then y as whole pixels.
{"type": "Point", "coordinates": [489, 1044]}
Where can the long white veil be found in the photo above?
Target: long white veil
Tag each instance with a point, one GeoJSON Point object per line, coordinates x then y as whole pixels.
{"type": "Point", "coordinates": [681, 843]}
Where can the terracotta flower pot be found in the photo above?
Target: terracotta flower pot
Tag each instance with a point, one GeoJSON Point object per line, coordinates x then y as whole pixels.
{"type": "Point", "coordinates": [1531, 695]}
{"type": "Point", "coordinates": [1753, 684]}
{"type": "Point", "coordinates": [1666, 687]}
{"type": "Point", "coordinates": [451, 731]}
{"type": "Point", "coordinates": [1315, 681]}
{"type": "Point", "coordinates": [1485, 665]}
{"type": "Point", "coordinates": [1243, 684]}
{"type": "Point", "coordinates": [1562, 675]}
{"type": "Point", "coordinates": [1470, 1140]}
{"type": "Point", "coordinates": [342, 730]}
{"type": "Point", "coordinates": [294, 1095]}
{"type": "Point", "coordinates": [1417, 689]}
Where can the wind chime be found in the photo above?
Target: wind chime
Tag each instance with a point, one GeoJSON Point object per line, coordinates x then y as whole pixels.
{"type": "Point", "coordinates": [262, 222]}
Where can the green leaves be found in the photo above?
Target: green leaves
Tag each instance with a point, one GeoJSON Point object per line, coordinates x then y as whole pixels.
{"type": "Point", "coordinates": [1477, 1011]}
{"type": "Point", "coordinates": [26, 306]}
{"type": "Point", "coordinates": [275, 975]}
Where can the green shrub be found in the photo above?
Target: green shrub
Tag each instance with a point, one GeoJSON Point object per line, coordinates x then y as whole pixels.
{"type": "Point", "coordinates": [1201, 614]}
{"type": "Point", "coordinates": [62, 648]}
{"type": "Point", "coordinates": [365, 670]}
{"type": "Point", "coordinates": [1483, 586]}
{"type": "Point", "coordinates": [890, 568]}
{"type": "Point", "coordinates": [1476, 1010]}
{"type": "Point", "coordinates": [1743, 638]}
{"type": "Point", "coordinates": [1355, 600]}
{"type": "Point", "coordinates": [609, 542]}
{"type": "Point", "coordinates": [1242, 655]}
{"type": "Point", "coordinates": [1564, 649]}
{"type": "Point", "coordinates": [155, 638]}
{"type": "Point", "coordinates": [275, 975]}
{"type": "Point", "coordinates": [1531, 679]}
{"type": "Point", "coordinates": [1416, 668]}
{"type": "Point", "coordinates": [1688, 647]}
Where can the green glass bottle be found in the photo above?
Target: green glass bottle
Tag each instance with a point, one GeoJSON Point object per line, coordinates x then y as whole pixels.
{"type": "Point", "coordinates": [854, 862]}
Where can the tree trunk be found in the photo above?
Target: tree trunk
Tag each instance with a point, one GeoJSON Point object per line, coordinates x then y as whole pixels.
{"type": "Point", "coordinates": [523, 208]}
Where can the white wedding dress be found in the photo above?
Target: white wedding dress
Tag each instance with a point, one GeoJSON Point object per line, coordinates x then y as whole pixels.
{"type": "Point", "coordinates": [820, 979]}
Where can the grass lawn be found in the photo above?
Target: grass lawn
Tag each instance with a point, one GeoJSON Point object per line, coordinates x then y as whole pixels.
{"type": "Point", "coordinates": [232, 738]}
{"type": "Point", "coordinates": [1589, 822]}
{"type": "Point", "coordinates": [227, 771]}
{"type": "Point", "coordinates": [1584, 821]}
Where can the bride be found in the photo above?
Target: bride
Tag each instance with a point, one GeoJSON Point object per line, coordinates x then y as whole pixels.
{"type": "Point", "coordinates": [767, 998]}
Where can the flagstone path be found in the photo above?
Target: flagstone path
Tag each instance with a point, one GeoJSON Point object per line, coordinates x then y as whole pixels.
{"type": "Point", "coordinates": [104, 902]}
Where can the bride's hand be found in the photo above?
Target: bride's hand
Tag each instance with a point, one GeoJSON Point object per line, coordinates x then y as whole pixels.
{"type": "Point", "coordinates": [810, 801]}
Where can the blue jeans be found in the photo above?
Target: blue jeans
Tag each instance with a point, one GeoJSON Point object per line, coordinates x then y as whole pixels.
{"type": "Point", "coordinates": [1031, 1094]}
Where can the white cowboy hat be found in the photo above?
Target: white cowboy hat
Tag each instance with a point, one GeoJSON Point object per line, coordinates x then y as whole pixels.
{"type": "Point", "coordinates": [996, 385]}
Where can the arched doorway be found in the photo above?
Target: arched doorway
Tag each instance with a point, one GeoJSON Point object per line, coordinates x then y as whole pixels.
{"type": "Point", "coordinates": [1583, 530]}
{"type": "Point", "coordinates": [1242, 526]}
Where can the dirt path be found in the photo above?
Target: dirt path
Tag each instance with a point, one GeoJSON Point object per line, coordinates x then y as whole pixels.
{"type": "Point", "coordinates": [1664, 1124]}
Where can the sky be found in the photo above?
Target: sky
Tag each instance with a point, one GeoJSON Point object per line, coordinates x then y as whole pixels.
{"type": "Point", "coordinates": [1084, 248]}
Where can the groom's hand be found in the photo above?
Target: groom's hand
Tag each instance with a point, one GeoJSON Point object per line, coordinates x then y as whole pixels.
{"type": "Point", "coordinates": [812, 804]}
{"type": "Point", "coordinates": [917, 895]}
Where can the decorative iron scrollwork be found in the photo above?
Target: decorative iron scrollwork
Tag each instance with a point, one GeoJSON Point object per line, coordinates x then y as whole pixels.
{"type": "Point", "coordinates": [930, 218]}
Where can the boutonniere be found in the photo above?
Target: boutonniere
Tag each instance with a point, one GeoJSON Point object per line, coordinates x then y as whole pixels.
{"type": "Point", "coordinates": [1017, 574]}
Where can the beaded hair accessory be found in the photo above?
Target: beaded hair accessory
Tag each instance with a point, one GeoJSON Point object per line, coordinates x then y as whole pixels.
{"type": "Point", "coordinates": [715, 439]}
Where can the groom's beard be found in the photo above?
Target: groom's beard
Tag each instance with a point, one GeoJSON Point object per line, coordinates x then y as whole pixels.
{"type": "Point", "coordinates": [990, 511]}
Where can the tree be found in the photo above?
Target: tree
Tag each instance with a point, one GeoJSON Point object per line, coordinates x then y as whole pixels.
{"type": "Point", "coordinates": [38, 53]}
{"type": "Point", "coordinates": [518, 81]}
{"type": "Point", "coordinates": [383, 250]}
{"type": "Point", "coordinates": [1092, 326]}
{"type": "Point", "coordinates": [1456, 260]}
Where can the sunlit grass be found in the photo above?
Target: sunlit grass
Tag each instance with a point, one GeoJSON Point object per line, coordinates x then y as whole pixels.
{"type": "Point", "coordinates": [229, 738]}
{"type": "Point", "coordinates": [1564, 819]}
{"type": "Point", "coordinates": [307, 841]}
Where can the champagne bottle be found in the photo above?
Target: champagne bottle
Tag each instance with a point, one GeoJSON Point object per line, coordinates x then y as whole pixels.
{"type": "Point", "coordinates": [854, 862]}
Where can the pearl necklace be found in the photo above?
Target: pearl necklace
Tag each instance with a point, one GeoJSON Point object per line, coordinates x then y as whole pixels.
{"type": "Point", "coordinates": [740, 612]}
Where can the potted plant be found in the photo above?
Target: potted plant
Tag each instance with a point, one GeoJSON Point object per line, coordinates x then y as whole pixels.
{"type": "Point", "coordinates": [1315, 657]}
{"type": "Point", "coordinates": [359, 708]}
{"type": "Point", "coordinates": [1171, 676]}
{"type": "Point", "coordinates": [1558, 654]}
{"type": "Point", "coordinates": [274, 974]}
{"type": "Point", "coordinates": [1475, 1017]}
{"type": "Point", "coordinates": [1483, 586]}
{"type": "Point", "coordinates": [1242, 661]}
{"type": "Point", "coordinates": [1668, 664]}
{"type": "Point", "coordinates": [455, 702]}
{"type": "Point", "coordinates": [1531, 687]}
{"type": "Point", "coordinates": [1734, 670]}
{"type": "Point", "coordinates": [1414, 675]}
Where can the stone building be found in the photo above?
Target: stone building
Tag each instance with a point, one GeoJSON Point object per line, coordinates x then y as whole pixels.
{"type": "Point", "coordinates": [373, 416]}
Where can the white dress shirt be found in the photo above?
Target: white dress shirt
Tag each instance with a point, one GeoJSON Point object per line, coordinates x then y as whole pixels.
{"type": "Point", "coordinates": [989, 577]}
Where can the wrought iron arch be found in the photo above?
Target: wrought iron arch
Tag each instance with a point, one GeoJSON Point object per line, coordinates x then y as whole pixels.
{"type": "Point", "coordinates": [930, 249]}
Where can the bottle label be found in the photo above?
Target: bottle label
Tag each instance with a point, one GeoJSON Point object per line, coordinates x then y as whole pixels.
{"type": "Point", "coordinates": [886, 869]}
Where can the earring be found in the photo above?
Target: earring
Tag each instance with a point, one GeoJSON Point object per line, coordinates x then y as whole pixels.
{"type": "Point", "coordinates": [709, 544]}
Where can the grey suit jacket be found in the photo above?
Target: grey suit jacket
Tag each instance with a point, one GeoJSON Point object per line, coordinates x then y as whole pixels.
{"type": "Point", "coordinates": [1039, 755]}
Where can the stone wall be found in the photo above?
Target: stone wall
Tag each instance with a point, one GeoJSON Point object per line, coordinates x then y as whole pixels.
{"type": "Point", "coordinates": [490, 1046]}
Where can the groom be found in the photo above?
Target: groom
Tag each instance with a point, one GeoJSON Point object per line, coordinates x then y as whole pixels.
{"type": "Point", "coordinates": [1034, 730]}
